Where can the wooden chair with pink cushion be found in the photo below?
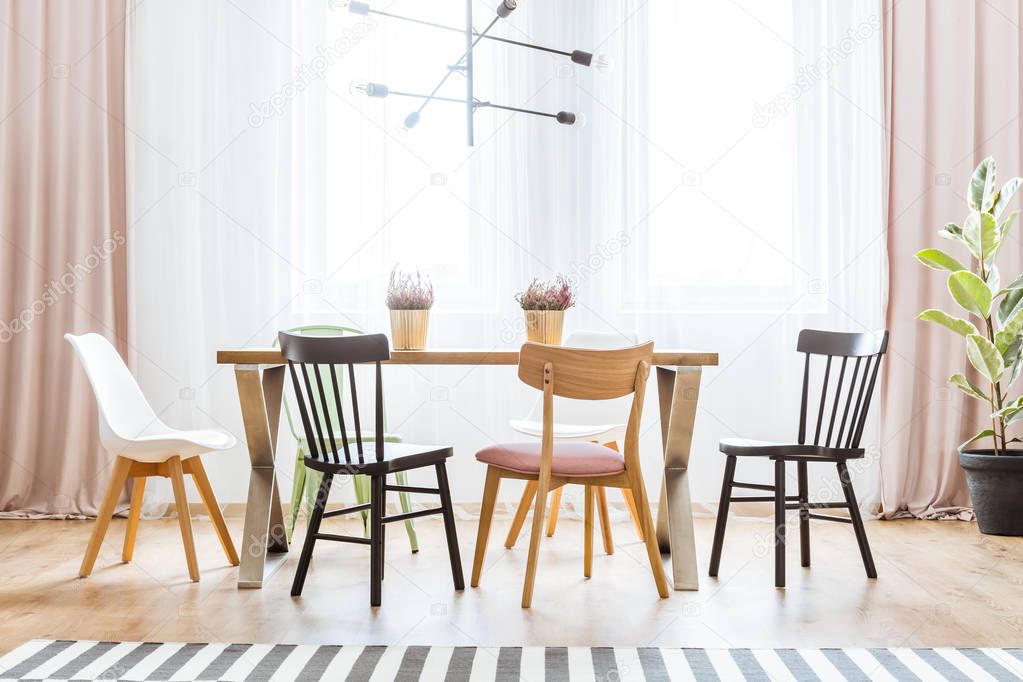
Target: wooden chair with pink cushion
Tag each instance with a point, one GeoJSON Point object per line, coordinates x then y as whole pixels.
{"type": "Point", "coordinates": [582, 374]}
{"type": "Point", "coordinates": [596, 421]}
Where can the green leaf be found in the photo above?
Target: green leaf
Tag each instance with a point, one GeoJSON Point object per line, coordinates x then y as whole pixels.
{"type": "Point", "coordinates": [1005, 195]}
{"type": "Point", "coordinates": [1003, 229]}
{"type": "Point", "coordinates": [951, 231]}
{"type": "Point", "coordinates": [936, 259]}
{"type": "Point", "coordinates": [1014, 417]}
{"type": "Point", "coordinates": [970, 292]}
{"type": "Point", "coordinates": [1013, 357]}
{"type": "Point", "coordinates": [986, 433]}
{"type": "Point", "coordinates": [981, 193]}
{"type": "Point", "coordinates": [1010, 305]}
{"type": "Point", "coordinates": [1009, 408]}
{"type": "Point", "coordinates": [966, 386]}
{"type": "Point", "coordinates": [1014, 284]}
{"type": "Point", "coordinates": [993, 279]}
{"type": "Point", "coordinates": [1013, 371]}
{"type": "Point", "coordinates": [981, 234]}
{"type": "Point", "coordinates": [985, 357]}
{"type": "Point", "coordinates": [1011, 328]}
{"type": "Point", "coordinates": [958, 325]}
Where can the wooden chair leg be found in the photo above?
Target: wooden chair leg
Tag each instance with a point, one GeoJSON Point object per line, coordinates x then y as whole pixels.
{"type": "Point", "coordinates": [520, 514]}
{"type": "Point", "coordinates": [297, 493]}
{"type": "Point", "coordinates": [588, 531]}
{"type": "Point", "coordinates": [653, 552]}
{"type": "Point", "coordinates": [376, 539]}
{"type": "Point", "coordinates": [106, 511]}
{"type": "Point", "coordinates": [722, 519]}
{"type": "Point", "coordinates": [138, 490]}
{"type": "Point", "coordinates": [605, 518]}
{"type": "Point", "coordinates": [209, 501]}
{"type": "Point", "coordinates": [312, 528]}
{"type": "Point", "coordinates": [362, 494]}
{"type": "Point", "coordinates": [542, 489]}
{"type": "Point", "coordinates": [449, 527]}
{"type": "Point", "coordinates": [177, 478]}
{"type": "Point", "coordinates": [406, 506]}
{"type": "Point", "coordinates": [779, 523]}
{"type": "Point", "coordinates": [490, 488]}
{"type": "Point", "coordinates": [552, 522]}
{"type": "Point", "coordinates": [630, 502]}
{"type": "Point", "coordinates": [857, 521]}
{"type": "Point", "coordinates": [804, 515]}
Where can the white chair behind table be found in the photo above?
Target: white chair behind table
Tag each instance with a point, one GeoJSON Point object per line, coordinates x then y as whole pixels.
{"type": "Point", "coordinates": [597, 421]}
{"type": "Point", "coordinates": [145, 446]}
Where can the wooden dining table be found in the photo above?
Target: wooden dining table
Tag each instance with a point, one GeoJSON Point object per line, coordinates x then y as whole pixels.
{"type": "Point", "coordinates": [259, 373]}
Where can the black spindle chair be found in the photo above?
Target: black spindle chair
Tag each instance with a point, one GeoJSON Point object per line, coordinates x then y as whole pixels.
{"type": "Point", "coordinates": [841, 415]}
{"type": "Point", "coordinates": [312, 363]}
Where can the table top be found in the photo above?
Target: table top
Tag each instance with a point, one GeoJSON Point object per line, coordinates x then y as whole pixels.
{"type": "Point", "coordinates": [272, 356]}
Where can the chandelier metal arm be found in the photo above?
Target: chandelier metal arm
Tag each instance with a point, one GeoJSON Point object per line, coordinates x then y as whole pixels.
{"type": "Point", "coordinates": [467, 54]}
{"type": "Point", "coordinates": [464, 65]}
{"type": "Point", "coordinates": [561, 116]}
{"type": "Point", "coordinates": [508, 41]}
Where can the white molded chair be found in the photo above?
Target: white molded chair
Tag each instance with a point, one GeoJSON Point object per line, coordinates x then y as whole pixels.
{"type": "Point", "coordinates": [145, 446]}
{"type": "Point", "coordinates": [596, 421]}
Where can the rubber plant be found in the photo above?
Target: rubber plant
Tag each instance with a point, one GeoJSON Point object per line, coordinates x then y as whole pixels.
{"type": "Point", "coordinates": [993, 328]}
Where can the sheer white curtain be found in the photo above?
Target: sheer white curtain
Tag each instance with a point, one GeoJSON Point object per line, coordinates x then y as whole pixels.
{"type": "Point", "coordinates": [724, 192]}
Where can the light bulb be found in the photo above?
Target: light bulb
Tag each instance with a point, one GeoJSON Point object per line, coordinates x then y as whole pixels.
{"type": "Point", "coordinates": [565, 118]}
{"type": "Point", "coordinates": [603, 63]}
{"type": "Point", "coordinates": [368, 89]}
{"type": "Point", "coordinates": [581, 121]}
{"type": "Point", "coordinates": [506, 7]}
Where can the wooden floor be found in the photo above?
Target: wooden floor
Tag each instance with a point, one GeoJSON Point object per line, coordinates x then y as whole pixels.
{"type": "Point", "coordinates": [940, 584]}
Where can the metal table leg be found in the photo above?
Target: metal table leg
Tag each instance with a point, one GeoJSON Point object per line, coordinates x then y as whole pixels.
{"type": "Point", "coordinates": [678, 391]}
{"type": "Point", "coordinates": [260, 395]}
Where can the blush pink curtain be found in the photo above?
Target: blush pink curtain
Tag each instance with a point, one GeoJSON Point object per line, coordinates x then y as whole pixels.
{"type": "Point", "coordinates": [952, 96]}
{"type": "Point", "coordinates": [62, 244]}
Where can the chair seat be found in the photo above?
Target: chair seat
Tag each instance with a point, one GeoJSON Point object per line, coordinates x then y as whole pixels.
{"type": "Point", "coordinates": [563, 431]}
{"type": "Point", "coordinates": [571, 458]}
{"type": "Point", "coordinates": [388, 437]}
{"type": "Point", "coordinates": [397, 457]}
{"type": "Point", "coordinates": [745, 447]}
{"type": "Point", "coordinates": [162, 445]}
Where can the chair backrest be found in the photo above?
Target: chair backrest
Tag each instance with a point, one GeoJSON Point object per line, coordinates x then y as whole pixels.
{"type": "Point", "coordinates": [315, 330]}
{"type": "Point", "coordinates": [865, 349]}
{"type": "Point", "coordinates": [587, 374]}
{"type": "Point", "coordinates": [124, 412]}
{"type": "Point", "coordinates": [313, 363]}
{"type": "Point", "coordinates": [589, 412]}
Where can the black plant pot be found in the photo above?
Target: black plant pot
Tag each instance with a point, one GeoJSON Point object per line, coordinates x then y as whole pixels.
{"type": "Point", "coordinates": [996, 488]}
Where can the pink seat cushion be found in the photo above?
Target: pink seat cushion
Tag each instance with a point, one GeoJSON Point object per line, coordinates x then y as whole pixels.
{"type": "Point", "coordinates": [571, 458]}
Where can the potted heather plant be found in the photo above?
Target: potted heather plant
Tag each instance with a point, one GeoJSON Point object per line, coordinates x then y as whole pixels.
{"type": "Point", "coordinates": [409, 298]}
{"type": "Point", "coordinates": [544, 304]}
{"type": "Point", "coordinates": [993, 334]}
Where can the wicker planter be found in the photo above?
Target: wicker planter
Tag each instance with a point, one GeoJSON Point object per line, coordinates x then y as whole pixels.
{"type": "Point", "coordinates": [544, 326]}
{"type": "Point", "coordinates": [408, 329]}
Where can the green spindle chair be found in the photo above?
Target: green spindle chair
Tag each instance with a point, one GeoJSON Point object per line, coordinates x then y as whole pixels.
{"type": "Point", "coordinates": [307, 481]}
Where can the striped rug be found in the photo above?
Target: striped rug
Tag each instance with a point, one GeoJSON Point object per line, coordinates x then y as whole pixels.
{"type": "Point", "coordinates": [71, 660]}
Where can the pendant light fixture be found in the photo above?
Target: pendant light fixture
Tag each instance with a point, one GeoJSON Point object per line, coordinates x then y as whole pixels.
{"type": "Point", "coordinates": [464, 65]}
